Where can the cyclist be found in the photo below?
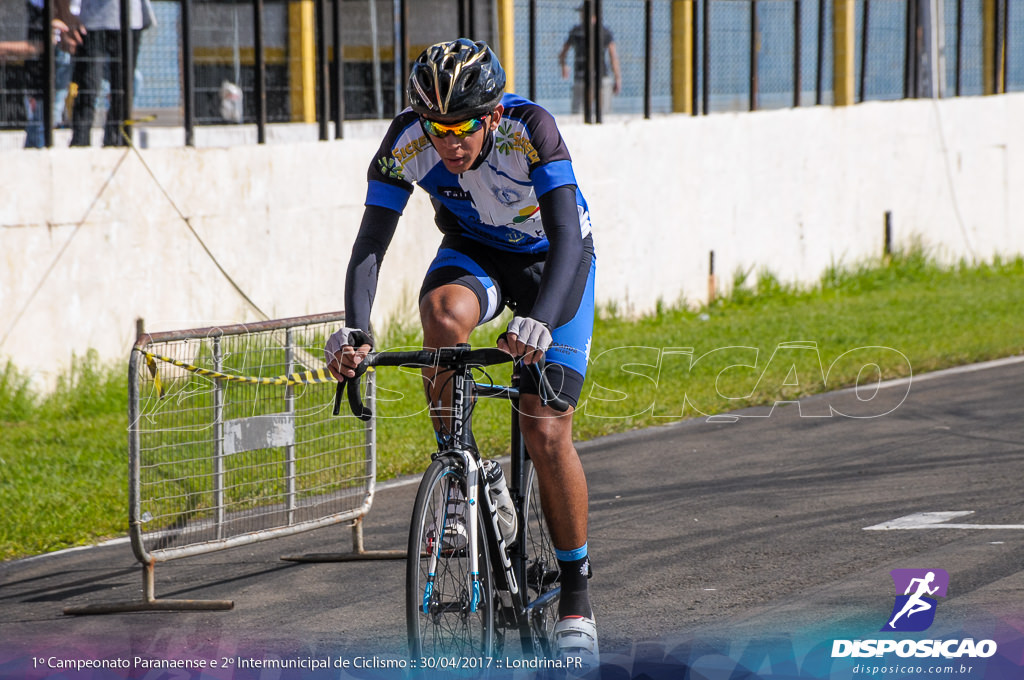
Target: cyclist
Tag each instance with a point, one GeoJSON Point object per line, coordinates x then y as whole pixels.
{"type": "Point", "coordinates": [516, 233]}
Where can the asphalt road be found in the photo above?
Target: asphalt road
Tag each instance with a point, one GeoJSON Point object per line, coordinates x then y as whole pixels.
{"type": "Point", "coordinates": [699, 530]}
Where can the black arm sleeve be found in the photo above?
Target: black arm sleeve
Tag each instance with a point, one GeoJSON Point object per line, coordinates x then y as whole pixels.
{"type": "Point", "coordinates": [561, 220]}
{"type": "Point", "coordinates": [375, 234]}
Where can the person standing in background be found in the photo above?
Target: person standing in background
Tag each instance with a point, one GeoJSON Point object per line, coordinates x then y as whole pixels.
{"type": "Point", "coordinates": [31, 50]}
{"type": "Point", "coordinates": [98, 30]}
{"type": "Point", "coordinates": [610, 83]}
{"type": "Point", "coordinates": [62, 72]}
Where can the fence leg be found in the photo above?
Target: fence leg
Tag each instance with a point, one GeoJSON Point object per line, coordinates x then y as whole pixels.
{"type": "Point", "coordinates": [358, 552]}
{"type": "Point", "coordinates": [149, 603]}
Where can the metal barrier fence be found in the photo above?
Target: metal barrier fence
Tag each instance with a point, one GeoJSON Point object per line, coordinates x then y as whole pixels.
{"type": "Point", "coordinates": [232, 441]}
{"type": "Point", "coordinates": [257, 62]}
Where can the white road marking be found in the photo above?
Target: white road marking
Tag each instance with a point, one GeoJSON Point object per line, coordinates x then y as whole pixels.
{"type": "Point", "coordinates": [936, 520]}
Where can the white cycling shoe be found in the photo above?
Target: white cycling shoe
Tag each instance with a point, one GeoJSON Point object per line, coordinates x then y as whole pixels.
{"type": "Point", "coordinates": [576, 643]}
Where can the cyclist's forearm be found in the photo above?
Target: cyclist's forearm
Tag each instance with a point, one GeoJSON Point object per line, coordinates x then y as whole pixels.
{"type": "Point", "coordinates": [562, 226]}
{"type": "Point", "coordinates": [375, 234]}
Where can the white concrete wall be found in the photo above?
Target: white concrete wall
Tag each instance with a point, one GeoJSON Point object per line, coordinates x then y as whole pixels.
{"type": "Point", "coordinates": [793, 191]}
{"type": "Point", "coordinates": [91, 241]}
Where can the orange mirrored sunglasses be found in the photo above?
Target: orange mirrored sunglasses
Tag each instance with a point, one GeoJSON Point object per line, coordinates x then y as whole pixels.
{"type": "Point", "coordinates": [463, 129]}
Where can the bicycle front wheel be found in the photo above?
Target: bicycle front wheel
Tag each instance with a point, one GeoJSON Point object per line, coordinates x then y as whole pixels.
{"type": "Point", "coordinates": [450, 613]}
{"type": "Point", "coordinates": [542, 573]}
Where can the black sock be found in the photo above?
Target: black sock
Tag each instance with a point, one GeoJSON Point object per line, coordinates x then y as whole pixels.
{"type": "Point", "coordinates": [574, 599]}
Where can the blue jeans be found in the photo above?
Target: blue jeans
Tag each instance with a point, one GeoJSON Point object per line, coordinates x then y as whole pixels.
{"type": "Point", "coordinates": [97, 50]}
{"type": "Point", "coordinates": [34, 138]}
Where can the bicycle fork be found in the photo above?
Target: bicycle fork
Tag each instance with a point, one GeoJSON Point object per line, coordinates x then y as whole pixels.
{"type": "Point", "coordinates": [447, 501]}
{"type": "Point", "coordinates": [474, 482]}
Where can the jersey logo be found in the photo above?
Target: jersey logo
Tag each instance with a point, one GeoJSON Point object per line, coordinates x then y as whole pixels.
{"type": "Point", "coordinates": [507, 195]}
{"type": "Point", "coordinates": [509, 140]}
{"type": "Point", "coordinates": [404, 154]}
{"type": "Point", "coordinates": [389, 167]}
{"type": "Point", "coordinates": [526, 214]}
{"type": "Point", "coordinates": [454, 193]}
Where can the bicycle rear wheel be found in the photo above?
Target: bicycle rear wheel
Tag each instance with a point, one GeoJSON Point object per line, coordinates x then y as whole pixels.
{"type": "Point", "coordinates": [542, 573]}
{"type": "Point", "coordinates": [446, 616]}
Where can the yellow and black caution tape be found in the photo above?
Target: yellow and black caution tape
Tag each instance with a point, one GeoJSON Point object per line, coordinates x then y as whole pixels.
{"type": "Point", "coordinates": [320, 375]}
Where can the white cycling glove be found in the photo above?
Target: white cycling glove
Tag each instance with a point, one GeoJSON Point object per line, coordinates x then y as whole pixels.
{"type": "Point", "coordinates": [353, 337]}
{"type": "Point", "coordinates": [531, 332]}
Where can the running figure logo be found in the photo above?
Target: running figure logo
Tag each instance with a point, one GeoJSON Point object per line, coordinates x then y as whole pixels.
{"type": "Point", "coordinates": [914, 610]}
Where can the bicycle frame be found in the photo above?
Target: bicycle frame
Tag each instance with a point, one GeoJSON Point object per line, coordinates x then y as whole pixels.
{"type": "Point", "coordinates": [455, 442]}
{"type": "Point", "coordinates": [517, 483]}
{"type": "Point", "coordinates": [513, 560]}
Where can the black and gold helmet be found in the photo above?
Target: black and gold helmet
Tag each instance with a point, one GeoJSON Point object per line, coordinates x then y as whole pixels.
{"type": "Point", "coordinates": [457, 80]}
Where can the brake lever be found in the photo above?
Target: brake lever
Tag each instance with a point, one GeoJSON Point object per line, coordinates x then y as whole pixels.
{"type": "Point", "coordinates": [355, 402]}
{"type": "Point", "coordinates": [548, 395]}
{"type": "Point", "coordinates": [337, 398]}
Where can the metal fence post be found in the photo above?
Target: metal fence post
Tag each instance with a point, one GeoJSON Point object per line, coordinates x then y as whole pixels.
{"type": "Point", "coordinates": [821, 54]}
{"type": "Point", "coordinates": [218, 441]}
{"type": "Point", "coordinates": [127, 70]}
{"type": "Point", "coordinates": [755, 42]}
{"type": "Point", "coordinates": [648, 29]}
{"type": "Point", "coordinates": [959, 44]}
{"type": "Point", "coordinates": [49, 77]}
{"type": "Point", "coordinates": [589, 42]}
{"type": "Point", "coordinates": [865, 24]}
{"type": "Point", "coordinates": [339, 74]}
{"type": "Point", "coordinates": [188, 88]}
{"type": "Point", "coordinates": [323, 114]}
{"type": "Point", "coordinates": [706, 59]}
{"type": "Point", "coordinates": [260, 63]}
{"type": "Point", "coordinates": [695, 57]}
{"type": "Point", "coordinates": [597, 74]}
{"type": "Point", "coordinates": [797, 51]}
{"type": "Point", "coordinates": [910, 58]}
{"type": "Point", "coordinates": [289, 408]}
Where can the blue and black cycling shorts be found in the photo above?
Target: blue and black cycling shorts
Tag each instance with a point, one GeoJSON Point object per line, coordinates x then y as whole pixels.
{"type": "Point", "coordinates": [504, 279]}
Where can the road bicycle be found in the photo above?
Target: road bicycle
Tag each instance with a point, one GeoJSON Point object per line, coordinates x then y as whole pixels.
{"type": "Point", "coordinates": [466, 585]}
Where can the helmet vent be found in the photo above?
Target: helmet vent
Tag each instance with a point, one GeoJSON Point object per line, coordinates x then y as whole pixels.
{"type": "Point", "coordinates": [456, 80]}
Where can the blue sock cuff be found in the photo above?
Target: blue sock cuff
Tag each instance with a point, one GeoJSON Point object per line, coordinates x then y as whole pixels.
{"type": "Point", "coordinates": [571, 555]}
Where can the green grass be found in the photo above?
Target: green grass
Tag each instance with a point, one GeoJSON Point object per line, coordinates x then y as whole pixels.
{"type": "Point", "coordinates": [63, 456]}
{"type": "Point", "coordinates": [63, 460]}
{"type": "Point", "coordinates": [912, 316]}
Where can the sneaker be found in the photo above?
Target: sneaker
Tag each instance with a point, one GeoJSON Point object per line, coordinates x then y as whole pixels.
{"type": "Point", "coordinates": [576, 643]}
{"type": "Point", "coordinates": [454, 536]}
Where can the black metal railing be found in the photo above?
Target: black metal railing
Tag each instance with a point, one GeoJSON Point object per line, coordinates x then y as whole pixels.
{"type": "Point", "coordinates": [325, 62]}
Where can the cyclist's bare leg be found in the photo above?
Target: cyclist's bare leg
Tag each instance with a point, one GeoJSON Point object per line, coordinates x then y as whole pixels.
{"type": "Point", "coordinates": [563, 492]}
{"type": "Point", "coordinates": [449, 314]}
{"type": "Point", "coordinates": [563, 485]}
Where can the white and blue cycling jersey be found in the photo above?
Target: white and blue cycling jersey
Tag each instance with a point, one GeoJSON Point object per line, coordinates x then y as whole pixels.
{"type": "Point", "coordinates": [497, 202]}
{"type": "Point", "coordinates": [516, 230]}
